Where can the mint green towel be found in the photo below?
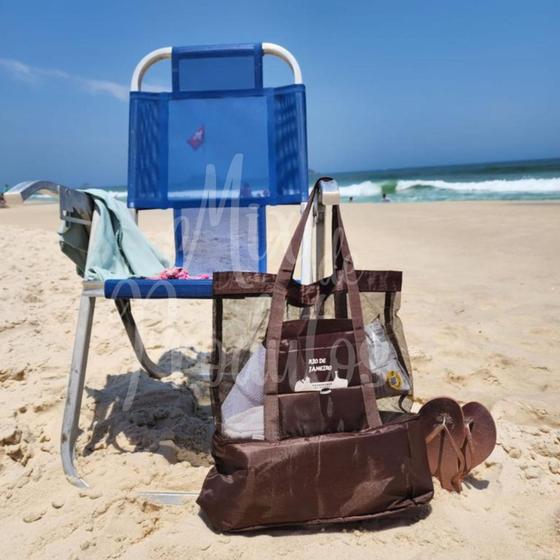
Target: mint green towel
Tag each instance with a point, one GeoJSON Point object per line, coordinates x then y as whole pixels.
{"type": "Point", "coordinates": [118, 248]}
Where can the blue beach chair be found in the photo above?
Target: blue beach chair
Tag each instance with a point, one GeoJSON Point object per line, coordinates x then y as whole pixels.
{"type": "Point", "coordinates": [217, 150]}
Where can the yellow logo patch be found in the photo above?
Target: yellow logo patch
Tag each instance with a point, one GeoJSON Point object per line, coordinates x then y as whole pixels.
{"type": "Point", "coordinates": [394, 380]}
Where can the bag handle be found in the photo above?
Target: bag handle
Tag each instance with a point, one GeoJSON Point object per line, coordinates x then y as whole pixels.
{"type": "Point", "coordinates": [340, 307]}
{"type": "Point", "coordinates": [274, 333]}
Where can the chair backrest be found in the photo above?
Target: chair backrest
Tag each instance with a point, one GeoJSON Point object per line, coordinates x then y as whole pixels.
{"type": "Point", "coordinates": [218, 149]}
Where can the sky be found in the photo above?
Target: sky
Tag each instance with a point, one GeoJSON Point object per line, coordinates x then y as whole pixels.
{"type": "Point", "coordinates": [389, 84]}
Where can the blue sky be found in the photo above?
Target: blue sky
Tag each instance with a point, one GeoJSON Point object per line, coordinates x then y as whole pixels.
{"type": "Point", "coordinates": [389, 84]}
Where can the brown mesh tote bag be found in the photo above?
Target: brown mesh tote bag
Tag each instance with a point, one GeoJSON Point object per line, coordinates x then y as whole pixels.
{"type": "Point", "coordinates": [311, 402]}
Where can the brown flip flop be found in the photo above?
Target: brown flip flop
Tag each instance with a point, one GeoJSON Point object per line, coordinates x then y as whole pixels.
{"type": "Point", "coordinates": [444, 428]}
{"type": "Point", "coordinates": [480, 435]}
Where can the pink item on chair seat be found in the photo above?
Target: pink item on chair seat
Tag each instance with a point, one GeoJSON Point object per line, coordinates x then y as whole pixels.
{"type": "Point", "coordinates": [178, 273]}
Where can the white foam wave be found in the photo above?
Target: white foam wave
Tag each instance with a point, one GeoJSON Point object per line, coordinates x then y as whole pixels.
{"type": "Point", "coordinates": [527, 185]}
{"type": "Point", "coordinates": [359, 190]}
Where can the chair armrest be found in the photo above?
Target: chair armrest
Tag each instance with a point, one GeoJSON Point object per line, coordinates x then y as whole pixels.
{"type": "Point", "coordinates": [22, 191]}
{"type": "Point", "coordinates": [75, 206]}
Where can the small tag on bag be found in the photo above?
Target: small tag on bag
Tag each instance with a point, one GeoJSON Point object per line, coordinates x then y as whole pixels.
{"type": "Point", "coordinates": [315, 365]}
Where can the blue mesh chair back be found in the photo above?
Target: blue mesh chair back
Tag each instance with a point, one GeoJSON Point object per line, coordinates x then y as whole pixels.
{"type": "Point", "coordinates": [218, 149]}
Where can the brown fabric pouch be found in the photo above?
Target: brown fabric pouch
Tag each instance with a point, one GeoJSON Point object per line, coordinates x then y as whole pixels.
{"type": "Point", "coordinates": [328, 454]}
{"type": "Point", "coordinates": [329, 478]}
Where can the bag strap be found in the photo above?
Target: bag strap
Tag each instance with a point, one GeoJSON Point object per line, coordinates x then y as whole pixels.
{"type": "Point", "coordinates": [366, 378]}
{"type": "Point", "coordinates": [340, 307]}
{"type": "Point", "coordinates": [274, 333]}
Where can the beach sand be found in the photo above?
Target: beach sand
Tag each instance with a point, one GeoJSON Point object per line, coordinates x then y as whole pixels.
{"type": "Point", "coordinates": [481, 311]}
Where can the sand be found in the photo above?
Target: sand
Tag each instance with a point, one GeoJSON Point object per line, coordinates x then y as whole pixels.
{"type": "Point", "coordinates": [481, 310]}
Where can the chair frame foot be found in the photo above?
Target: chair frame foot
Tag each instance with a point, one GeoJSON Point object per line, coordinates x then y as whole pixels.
{"type": "Point", "coordinates": [70, 422]}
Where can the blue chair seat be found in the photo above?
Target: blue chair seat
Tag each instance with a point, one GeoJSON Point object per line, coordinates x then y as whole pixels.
{"type": "Point", "coordinates": [144, 288]}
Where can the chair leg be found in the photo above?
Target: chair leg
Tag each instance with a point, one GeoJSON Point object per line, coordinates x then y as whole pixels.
{"type": "Point", "coordinates": [125, 312]}
{"type": "Point", "coordinates": [70, 422]}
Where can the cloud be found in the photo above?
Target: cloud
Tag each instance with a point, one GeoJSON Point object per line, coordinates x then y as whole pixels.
{"type": "Point", "coordinates": [30, 74]}
{"type": "Point", "coordinates": [103, 86]}
{"type": "Point", "coordinates": [35, 75]}
{"type": "Point", "coordinates": [18, 69]}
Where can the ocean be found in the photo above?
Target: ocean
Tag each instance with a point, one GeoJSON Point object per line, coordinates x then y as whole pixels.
{"type": "Point", "coordinates": [516, 180]}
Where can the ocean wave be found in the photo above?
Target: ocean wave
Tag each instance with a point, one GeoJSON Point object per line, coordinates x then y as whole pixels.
{"type": "Point", "coordinates": [528, 185]}
{"type": "Point", "coordinates": [361, 190]}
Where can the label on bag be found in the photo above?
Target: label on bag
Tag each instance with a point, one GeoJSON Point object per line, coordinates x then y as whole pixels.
{"type": "Point", "coordinates": [319, 365]}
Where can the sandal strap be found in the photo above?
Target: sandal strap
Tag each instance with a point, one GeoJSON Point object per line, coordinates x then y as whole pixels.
{"type": "Point", "coordinates": [470, 446]}
{"type": "Point", "coordinates": [430, 437]}
{"type": "Point", "coordinates": [456, 448]}
{"type": "Point", "coordinates": [457, 479]}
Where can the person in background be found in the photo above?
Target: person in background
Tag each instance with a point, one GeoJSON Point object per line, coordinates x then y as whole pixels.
{"type": "Point", "coordinates": [385, 198]}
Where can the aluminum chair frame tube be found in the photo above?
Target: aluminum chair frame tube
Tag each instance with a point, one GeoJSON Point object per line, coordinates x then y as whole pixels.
{"type": "Point", "coordinates": [164, 53]}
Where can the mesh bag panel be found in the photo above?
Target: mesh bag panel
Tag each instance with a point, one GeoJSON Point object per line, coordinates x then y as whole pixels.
{"type": "Point", "coordinates": [240, 325]}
